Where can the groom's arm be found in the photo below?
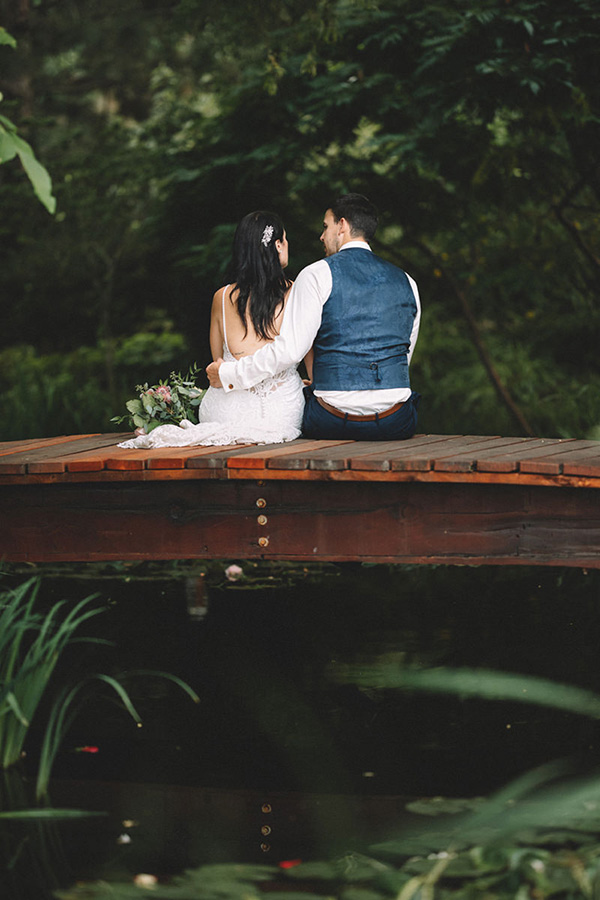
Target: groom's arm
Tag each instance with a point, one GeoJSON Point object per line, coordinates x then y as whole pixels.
{"type": "Point", "coordinates": [417, 322]}
{"type": "Point", "coordinates": [301, 321]}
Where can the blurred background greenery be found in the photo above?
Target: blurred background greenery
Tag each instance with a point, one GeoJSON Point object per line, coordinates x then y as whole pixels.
{"type": "Point", "coordinates": [474, 126]}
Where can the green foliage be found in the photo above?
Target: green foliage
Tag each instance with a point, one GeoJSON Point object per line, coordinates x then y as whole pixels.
{"type": "Point", "coordinates": [69, 701]}
{"type": "Point", "coordinates": [6, 38]}
{"type": "Point", "coordinates": [216, 882]}
{"type": "Point", "coordinates": [69, 393]}
{"type": "Point", "coordinates": [11, 145]}
{"type": "Point", "coordinates": [30, 646]}
{"type": "Point", "coordinates": [168, 402]}
{"type": "Point", "coordinates": [472, 125]}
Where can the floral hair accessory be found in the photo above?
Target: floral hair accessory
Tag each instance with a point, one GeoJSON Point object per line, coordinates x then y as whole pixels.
{"type": "Point", "coordinates": [267, 235]}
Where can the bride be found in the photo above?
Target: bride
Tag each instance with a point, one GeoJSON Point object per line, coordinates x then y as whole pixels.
{"type": "Point", "coordinates": [246, 314]}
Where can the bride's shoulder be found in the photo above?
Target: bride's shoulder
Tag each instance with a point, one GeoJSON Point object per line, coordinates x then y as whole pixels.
{"type": "Point", "coordinates": [217, 299]}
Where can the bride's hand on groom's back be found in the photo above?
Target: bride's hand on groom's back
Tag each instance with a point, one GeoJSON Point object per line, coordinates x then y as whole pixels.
{"type": "Point", "coordinates": [212, 372]}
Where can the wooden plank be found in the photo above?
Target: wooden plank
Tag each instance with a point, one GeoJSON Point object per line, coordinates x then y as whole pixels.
{"type": "Point", "coordinates": [333, 459]}
{"type": "Point", "coordinates": [506, 457]}
{"type": "Point", "coordinates": [184, 457]}
{"type": "Point", "coordinates": [113, 459]}
{"type": "Point", "coordinates": [320, 458]}
{"type": "Point", "coordinates": [50, 456]}
{"type": "Point", "coordinates": [583, 465]}
{"type": "Point", "coordinates": [114, 476]}
{"type": "Point", "coordinates": [577, 452]}
{"type": "Point", "coordinates": [292, 455]}
{"type": "Point", "coordinates": [424, 459]}
{"type": "Point", "coordinates": [219, 456]}
{"type": "Point", "coordinates": [124, 459]}
{"type": "Point", "coordinates": [409, 451]}
{"type": "Point", "coordinates": [178, 458]}
{"type": "Point", "coordinates": [14, 447]}
{"type": "Point", "coordinates": [465, 458]}
{"type": "Point", "coordinates": [375, 454]}
{"type": "Point", "coordinates": [95, 453]}
{"type": "Point", "coordinates": [537, 448]}
{"type": "Point", "coordinates": [173, 458]}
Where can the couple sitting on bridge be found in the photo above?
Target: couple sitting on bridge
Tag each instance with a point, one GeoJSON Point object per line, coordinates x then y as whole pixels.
{"type": "Point", "coordinates": [353, 318]}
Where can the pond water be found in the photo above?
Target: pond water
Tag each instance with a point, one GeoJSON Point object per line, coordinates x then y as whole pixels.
{"type": "Point", "coordinates": [280, 759]}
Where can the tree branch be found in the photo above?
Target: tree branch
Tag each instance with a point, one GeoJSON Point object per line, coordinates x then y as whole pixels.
{"type": "Point", "coordinates": [576, 235]}
{"type": "Point", "coordinates": [486, 360]}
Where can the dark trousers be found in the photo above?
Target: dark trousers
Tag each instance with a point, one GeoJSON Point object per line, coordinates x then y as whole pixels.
{"type": "Point", "coordinates": [319, 423]}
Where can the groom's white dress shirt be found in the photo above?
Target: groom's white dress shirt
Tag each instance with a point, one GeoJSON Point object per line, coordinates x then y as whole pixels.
{"type": "Point", "coordinates": [301, 322]}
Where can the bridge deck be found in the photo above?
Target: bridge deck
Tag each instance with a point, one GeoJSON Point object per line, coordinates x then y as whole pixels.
{"type": "Point", "coordinates": [432, 499]}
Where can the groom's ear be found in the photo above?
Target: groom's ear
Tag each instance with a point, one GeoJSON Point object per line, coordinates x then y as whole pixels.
{"type": "Point", "coordinates": [343, 226]}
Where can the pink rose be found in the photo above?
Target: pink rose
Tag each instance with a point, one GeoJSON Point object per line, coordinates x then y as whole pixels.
{"type": "Point", "coordinates": [233, 572]}
{"type": "Point", "coordinates": [163, 391]}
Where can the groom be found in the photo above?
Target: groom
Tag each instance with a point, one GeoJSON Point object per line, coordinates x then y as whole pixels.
{"type": "Point", "coordinates": [361, 315]}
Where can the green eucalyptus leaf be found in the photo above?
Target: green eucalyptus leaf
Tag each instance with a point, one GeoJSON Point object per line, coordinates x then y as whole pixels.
{"type": "Point", "coordinates": [147, 403]}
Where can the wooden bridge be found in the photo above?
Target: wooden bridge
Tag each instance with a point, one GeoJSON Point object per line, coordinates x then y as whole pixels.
{"type": "Point", "coordinates": [432, 499]}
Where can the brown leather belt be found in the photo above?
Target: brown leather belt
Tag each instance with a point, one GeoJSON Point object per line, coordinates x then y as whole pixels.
{"type": "Point", "coordinates": [350, 417]}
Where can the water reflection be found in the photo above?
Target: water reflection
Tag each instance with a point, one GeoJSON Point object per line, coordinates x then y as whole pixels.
{"type": "Point", "coordinates": [279, 762]}
{"type": "Point", "coordinates": [173, 827]}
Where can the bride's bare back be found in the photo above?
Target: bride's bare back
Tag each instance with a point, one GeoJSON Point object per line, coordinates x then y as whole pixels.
{"type": "Point", "coordinates": [240, 343]}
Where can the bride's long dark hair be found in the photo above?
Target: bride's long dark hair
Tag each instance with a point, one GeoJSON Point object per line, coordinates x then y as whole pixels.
{"type": "Point", "coordinates": [256, 271]}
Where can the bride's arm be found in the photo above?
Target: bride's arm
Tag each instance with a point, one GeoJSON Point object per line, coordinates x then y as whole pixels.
{"type": "Point", "coordinates": [216, 326]}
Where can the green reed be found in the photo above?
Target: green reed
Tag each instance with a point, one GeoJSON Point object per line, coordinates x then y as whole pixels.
{"type": "Point", "coordinates": [68, 703]}
{"type": "Point", "coordinates": [30, 646]}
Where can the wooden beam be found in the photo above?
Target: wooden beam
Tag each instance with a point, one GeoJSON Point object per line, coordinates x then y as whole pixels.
{"type": "Point", "coordinates": [371, 521]}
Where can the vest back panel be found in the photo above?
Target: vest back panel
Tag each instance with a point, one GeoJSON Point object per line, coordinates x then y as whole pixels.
{"type": "Point", "coordinates": [364, 337]}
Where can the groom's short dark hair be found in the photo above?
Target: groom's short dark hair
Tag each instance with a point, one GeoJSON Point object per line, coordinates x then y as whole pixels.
{"type": "Point", "coordinates": [359, 212]}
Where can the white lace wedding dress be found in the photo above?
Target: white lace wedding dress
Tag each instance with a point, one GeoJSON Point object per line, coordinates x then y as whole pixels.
{"type": "Point", "coordinates": [268, 413]}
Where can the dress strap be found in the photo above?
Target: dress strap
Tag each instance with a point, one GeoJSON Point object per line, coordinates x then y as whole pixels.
{"type": "Point", "coordinates": [223, 316]}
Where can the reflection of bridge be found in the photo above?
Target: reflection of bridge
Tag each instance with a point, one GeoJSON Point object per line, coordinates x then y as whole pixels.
{"type": "Point", "coordinates": [432, 499]}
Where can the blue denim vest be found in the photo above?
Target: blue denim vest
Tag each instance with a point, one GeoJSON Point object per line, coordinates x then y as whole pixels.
{"type": "Point", "coordinates": [364, 337]}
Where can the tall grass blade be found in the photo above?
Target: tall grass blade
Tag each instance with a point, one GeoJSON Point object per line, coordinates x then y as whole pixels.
{"type": "Point", "coordinates": [484, 683]}
{"type": "Point", "coordinates": [30, 646]}
{"type": "Point", "coordinates": [170, 677]}
{"type": "Point", "coordinates": [66, 706]}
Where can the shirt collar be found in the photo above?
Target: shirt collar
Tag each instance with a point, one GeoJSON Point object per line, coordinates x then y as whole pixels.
{"type": "Point", "coordinates": [361, 244]}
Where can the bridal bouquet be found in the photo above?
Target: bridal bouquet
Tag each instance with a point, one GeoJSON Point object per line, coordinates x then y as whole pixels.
{"type": "Point", "coordinates": [165, 403]}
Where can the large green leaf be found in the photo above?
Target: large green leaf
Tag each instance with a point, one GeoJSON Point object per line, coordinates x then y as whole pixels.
{"type": "Point", "coordinates": [8, 149]}
{"type": "Point", "coordinates": [37, 174]}
{"type": "Point", "coordinates": [6, 38]}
